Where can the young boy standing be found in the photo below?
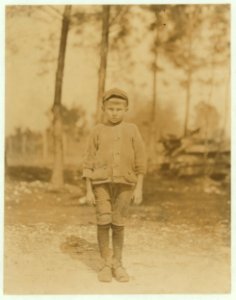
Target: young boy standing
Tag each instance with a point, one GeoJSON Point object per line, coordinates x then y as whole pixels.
{"type": "Point", "coordinates": [114, 167]}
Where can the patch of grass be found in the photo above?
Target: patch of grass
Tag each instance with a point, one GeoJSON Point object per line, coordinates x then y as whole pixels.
{"type": "Point", "coordinates": [32, 173]}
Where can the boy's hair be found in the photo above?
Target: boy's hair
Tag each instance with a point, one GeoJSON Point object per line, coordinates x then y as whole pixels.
{"type": "Point", "coordinates": [115, 93]}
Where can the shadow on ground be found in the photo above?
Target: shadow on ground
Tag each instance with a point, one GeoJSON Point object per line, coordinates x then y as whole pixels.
{"type": "Point", "coordinates": [81, 249]}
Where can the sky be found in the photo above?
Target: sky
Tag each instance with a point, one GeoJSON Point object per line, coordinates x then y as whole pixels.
{"type": "Point", "coordinates": [29, 95]}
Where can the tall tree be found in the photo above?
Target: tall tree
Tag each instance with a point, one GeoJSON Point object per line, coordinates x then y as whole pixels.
{"type": "Point", "coordinates": [187, 20]}
{"type": "Point", "coordinates": [162, 36]}
{"type": "Point", "coordinates": [114, 49]}
{"type": "Point", "coordinates": [103, 57]}
{"type": "Point", "coordinates": [57, 179]}
{"type": "Point", "coordinates": [114, 31]}
{"type": "Point", "coordinates": [120, 43]}
{"type": "Point", "coordinates": [156, 50]}
{"type": "Point", "coordinates": [218, 53]}
{"type": "Point", "coordinates": [218, 50]}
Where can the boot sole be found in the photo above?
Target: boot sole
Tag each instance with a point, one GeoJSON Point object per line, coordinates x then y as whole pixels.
{"type": "Point", "coordinates": [120, 278]}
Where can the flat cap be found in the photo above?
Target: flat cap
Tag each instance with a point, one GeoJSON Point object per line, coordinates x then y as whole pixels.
{"type": "Point", "coordinates": [115, 93]}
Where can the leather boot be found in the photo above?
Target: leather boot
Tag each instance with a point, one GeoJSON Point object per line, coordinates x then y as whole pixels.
{"type": "Point", "coordinates": [118, 271]}
{"type": "Point", "coordinates": [105, 273]}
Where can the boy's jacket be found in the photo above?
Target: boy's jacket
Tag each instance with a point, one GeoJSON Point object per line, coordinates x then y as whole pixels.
{"type": "Point", "coordinates": [115, 154]}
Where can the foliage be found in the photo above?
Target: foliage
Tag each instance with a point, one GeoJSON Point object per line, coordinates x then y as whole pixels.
{"type": "Point", "coordinates": [191, 40]}
{"type": "Point", "coordinates": [74, 121]}
{"type": "Point", "coordinates": [170, 124]}
{"type": "Point", "coordinates": [207, 118]}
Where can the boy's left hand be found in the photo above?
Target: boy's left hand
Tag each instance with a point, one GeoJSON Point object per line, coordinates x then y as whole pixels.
{"type": "Point", "coordinates": [137, 196]}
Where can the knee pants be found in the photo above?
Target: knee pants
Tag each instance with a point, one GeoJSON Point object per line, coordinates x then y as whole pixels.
{"type": "Point", "coordinates": [112, 202]}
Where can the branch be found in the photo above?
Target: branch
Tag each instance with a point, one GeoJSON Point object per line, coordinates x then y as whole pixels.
{"type": "Point", "coordinates": [42, 8]}
{"type": "Point", "coordinates": [119, 14]}
{"type": "Point", "coordinates": [56, 11]}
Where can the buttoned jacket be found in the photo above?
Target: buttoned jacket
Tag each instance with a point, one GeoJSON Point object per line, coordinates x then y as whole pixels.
{"type": "Point", "coordinates": [115, 154]}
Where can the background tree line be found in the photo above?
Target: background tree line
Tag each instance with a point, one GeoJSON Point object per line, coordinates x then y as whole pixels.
{"type": "Point", "coordinates": [192, 39]}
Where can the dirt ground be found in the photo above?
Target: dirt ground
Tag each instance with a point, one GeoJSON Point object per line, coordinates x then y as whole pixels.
{"type": "Point", "coordinates": [178, 241]}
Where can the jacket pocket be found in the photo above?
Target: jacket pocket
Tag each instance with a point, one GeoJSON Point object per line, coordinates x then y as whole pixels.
{"type": "Point", "coordinates": [100, 173]}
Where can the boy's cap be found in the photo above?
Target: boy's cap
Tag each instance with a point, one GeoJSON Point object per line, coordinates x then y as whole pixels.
{"type": "Point", "coordinates": [115, 93]}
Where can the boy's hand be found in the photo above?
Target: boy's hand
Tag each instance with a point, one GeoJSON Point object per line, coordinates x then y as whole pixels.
{"type": "Point", "coordinates": [138, 191]}
{"type": "Point", "coordinates": [89, 195]}
{"type": "Point", "coordinates": [137, 196]}
{"type": "Point", "coordinates": [90, 198]}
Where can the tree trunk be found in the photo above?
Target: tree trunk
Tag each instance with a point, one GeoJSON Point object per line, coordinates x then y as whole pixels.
{"type": "Point", "coordinates": [23, 144]}
{"type": "Point", "coordinates": [206, 133]}
{"type": "Point", "coordinates": [226, 119]}
{"type": "Point", "coordinates": [153, 129]}
{"type": "Point", "coordinates": [189, 81]}
{"type": "Point", "coordinates": [188, 98]}
{"type": "Point", "coordinates": [103, 58]}
{"type": "Point", "coordinates": [45, 145]}
{"type": "Point", "coordinates": [65, 144]}
{"type": "Point", "coordinates": [57, 179]}
{"type": "Point", "coordinates": [154, 94]}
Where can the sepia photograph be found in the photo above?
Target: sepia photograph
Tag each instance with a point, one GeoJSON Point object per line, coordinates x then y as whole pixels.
{"type": "Point", "coordinates": [117, 149]}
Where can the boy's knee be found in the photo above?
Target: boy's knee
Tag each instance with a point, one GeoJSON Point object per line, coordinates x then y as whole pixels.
{"type": "Point", "coordinates": [104, 226]}
{"type": "Point", "coordinates": [103, 219]}
{"type": "Point", "coordinates": [117, 228]}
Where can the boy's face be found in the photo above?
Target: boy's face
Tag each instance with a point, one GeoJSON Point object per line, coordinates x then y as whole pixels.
{"type": "Point", "coordinates": [115, 109]}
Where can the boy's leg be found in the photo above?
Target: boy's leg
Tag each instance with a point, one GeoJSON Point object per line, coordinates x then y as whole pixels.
{"type": "Point", "coordinates": [117, 243]}
{"type": "Point", "coordinates": [103, 212]}
{"type": "Point", "coordinates": [120, 207]}
{"type": "Point", "coordinates": [105, 274]}
{"type": "Point", "coordinates": [103, 240]}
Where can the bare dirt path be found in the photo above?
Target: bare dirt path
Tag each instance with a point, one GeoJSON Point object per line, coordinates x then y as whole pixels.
{"type": "Point", "coordinates": [50, 247]}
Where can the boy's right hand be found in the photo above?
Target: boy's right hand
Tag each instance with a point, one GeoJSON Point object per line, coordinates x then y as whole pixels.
{"type": "Point", "coordinates": [90, 198]}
